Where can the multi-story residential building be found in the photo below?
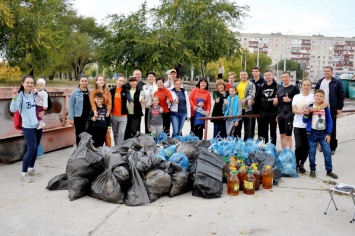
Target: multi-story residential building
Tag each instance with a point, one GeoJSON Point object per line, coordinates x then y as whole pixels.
{"type": "Point", "coordinates": [314, 52]}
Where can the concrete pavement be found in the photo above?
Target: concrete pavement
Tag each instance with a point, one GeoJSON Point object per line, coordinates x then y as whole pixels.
{"type": "Point", "coordinates": [295, 207]}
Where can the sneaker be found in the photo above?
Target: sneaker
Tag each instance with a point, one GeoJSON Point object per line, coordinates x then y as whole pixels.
{"type": "Point", "coordinates": [313, 174]}
{"type": "Point", "coordinates": [34, 173]}
{"type": "Point", "coordinates": [302, 169]}
{"type": "Point", "coordinates": [331, 174]}
{"type": "Point", "coordinates": [26, 178]}
{"type": "Point", "coordinates": [41, 124]}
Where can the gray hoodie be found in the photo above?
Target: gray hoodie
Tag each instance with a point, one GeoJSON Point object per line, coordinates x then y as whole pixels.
{"type": "Point", "coordinates": [26, 105]}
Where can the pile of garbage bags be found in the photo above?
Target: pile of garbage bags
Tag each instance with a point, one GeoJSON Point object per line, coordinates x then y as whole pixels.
{"type": "Point", "coordinates": [141, 170]}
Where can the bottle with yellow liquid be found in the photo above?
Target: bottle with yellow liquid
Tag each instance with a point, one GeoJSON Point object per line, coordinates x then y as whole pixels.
{"type": "Point", "coordinates": [267, 178]}
{"type": "Point", "coordinates": [249, 183]}
{"type": "Point", "coordinates": [233, 183]}
{"type": "Point", "coordinates": [257, 176]}
{"type": "Point", "coordinates": [241, 175]}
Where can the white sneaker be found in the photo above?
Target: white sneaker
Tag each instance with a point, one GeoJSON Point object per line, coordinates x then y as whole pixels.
{"type": "Point", "coordinates": [26, 178]}
{"type": "Point", "coordinates": [41, 124]}
{"type": "Point", "coordinates": [34, 173]}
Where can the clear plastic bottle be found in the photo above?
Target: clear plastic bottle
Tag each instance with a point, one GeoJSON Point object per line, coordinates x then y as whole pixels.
{"type": "Point", "coordinates": [267, 178]}
{"type": "Point", "coordinates": [249, 183]}
{"type": "Point", "coordinates": [257, 176]}
{"type": "Point", "coordinates": [241, 175]}
{"type": "Point", "coordinates": [233, 183]}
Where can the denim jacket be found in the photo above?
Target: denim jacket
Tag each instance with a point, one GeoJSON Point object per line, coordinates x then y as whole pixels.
{"type": "Point", "coordinates": [76, 103]}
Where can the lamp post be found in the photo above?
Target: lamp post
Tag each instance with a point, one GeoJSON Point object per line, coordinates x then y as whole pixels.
{"type": "Point", "coordinates": [257, 60]}
{"type": "Point", "coordinates": [286, 50]}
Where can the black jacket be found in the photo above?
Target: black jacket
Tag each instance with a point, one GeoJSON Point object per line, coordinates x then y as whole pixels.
{"type": "Point", "coordinates": [264, 99]}
{"type": "Point", "coordinates": [125, 96]}
{"type": "Point", "coordinates": [336, 93]}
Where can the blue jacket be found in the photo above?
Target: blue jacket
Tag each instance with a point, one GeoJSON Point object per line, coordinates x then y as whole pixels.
{"type": "Point", "coordinates": [76, 104]}
{"type": "Point", "coordinates": [26, 105]}
{"type": "Point", "coordinates": [336, 93]}
{"type": "Point", "coordinates": [198, 114]}
{"type": "Point", "coordinates": [236, 109]}
{"type": "Point", "coordinates": [328, 121]}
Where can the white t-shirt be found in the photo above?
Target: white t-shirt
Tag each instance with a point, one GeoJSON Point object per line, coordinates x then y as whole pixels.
{"type": "Point", "coordinates": [301, 102]}
{"type": "Point", "coordinates": [318, 120]}
{"type": "Point", "coordinates": [325, 87]}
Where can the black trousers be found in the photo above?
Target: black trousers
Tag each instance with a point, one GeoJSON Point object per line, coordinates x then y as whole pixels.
{"type": "Point", "coordinates": [253, 124]}
{"type": "Point", "coordinates": [247, 126]}
{"type": "Point", "coordinates": [166, 123]}
{"type": "Point", "coordinates": [98, 135]}
{"type": "Point", "coordinates": [301, 146]}
{"type": "Point", "coordinates": [198, 131]}
{"type": "Point", "coordinates": [268, 123]}
{"type": "Point", "coordinates": [146, 121]}
{"type": "Point", "coordinates": [133, 125]}
{"type": "Point", "coordinates": [79, 125]}
{"type": "Point", "coordinates": [333, 137]}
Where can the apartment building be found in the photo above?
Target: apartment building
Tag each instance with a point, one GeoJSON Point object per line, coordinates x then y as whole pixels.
{"type": "Point", "coordinates": [314, 52]}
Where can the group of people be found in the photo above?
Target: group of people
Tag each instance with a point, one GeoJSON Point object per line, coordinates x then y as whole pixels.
{"type": "Point", "coordinates": [311, 117]}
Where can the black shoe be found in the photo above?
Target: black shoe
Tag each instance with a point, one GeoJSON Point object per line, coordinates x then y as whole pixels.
{"type": "Point", "coordinates": [313, 174]}
{"type": "Point", "coordinates": [333, 152]}
{"type": "Point", "coordinates": [331, 174]}
{"type": "Point", "coordinates": [302, 169]}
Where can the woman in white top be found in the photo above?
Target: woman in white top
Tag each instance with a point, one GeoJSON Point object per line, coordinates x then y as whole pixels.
{"type": "Point", "coordinates": [148, 91]}
{"type": "Point", "coordinates": [300, 103]}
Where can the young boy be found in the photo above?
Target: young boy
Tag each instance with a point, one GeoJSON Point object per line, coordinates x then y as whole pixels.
{"type": "Point", "coordinates": [319, 129]}
{"type": "Point", "coordinates": [155, 118]}
{"type": "Point", "coordinates": [99, 124]}
{"type": "Point", "coordinates": [232, 107]}
{"type": "Point", "coordinates": [199, 125]}
{"type": "Point", "coordinates": [41, 100]}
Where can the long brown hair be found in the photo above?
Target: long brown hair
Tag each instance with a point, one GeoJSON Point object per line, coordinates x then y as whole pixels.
{"type": "Point", "coordinates": [97, 86]}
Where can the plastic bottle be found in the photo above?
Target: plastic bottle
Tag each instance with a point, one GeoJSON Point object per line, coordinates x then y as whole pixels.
{"type": "Point", "coordinates": [232, 161]}
{"type": "Point", "coordinates": [249, 183]}
{"type": "Point", "coordinates": [233, 183]}
{"type": "Point", "coordinates": [241, 175]}
{"type": "Point", "coordinates": [239, 163]}
{"type": "Point", "coordinates": [267, 178]}
{"type": "Point", "coordinates": [257, 176]}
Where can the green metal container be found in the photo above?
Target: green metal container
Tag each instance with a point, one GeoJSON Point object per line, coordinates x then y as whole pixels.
{"type": "Point", "coordinates": [345, 86]}
{"type": "Point", "coordinates": [351, 88]}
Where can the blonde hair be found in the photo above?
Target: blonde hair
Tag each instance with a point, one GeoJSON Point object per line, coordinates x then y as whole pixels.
{"type": "Point", "coordinates": [156, 97]}
{"type": "Point", "coordinates": [219, 82]}
{"type": "Point", "coordinates": [177, 80]}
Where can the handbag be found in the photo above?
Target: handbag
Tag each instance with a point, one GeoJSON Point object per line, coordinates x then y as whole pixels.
{"type": "Point", "coordinates": [108, 141]}
{"type": "Point", "coordinates": [18, 118]}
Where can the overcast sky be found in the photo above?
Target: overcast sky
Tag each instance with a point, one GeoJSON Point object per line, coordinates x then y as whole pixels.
{"type": "Point", "coordinates": [302, 17]}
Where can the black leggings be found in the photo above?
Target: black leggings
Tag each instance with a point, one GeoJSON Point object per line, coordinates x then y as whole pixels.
{"type": "Point", "coordinates": [79, 124]}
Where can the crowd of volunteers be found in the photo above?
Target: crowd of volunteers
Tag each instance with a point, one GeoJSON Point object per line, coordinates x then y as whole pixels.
{"type": "Point", "coordinates": [164, 103]}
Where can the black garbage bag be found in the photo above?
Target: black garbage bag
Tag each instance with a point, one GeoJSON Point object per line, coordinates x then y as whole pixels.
{"type": "Point", "coordinates": [83, 166]}
{"type": "Point", "coordinates": [190, 149]}
{"type": "Point", "coordinates": [179, 178]}
{"type": "Point", "coordinates": [143, 162]}
{"type": "Point", "coordinates": [111, 185]}
{"type": "Point", "coordinates": [137, 193]}
{"type": "Point", "coordinates": [124, 147]}
{"type": "Point", "coordinates": [59, 182]}
{"type": "Point", "coordinates": [266, 159]}
{"type": "Point", "coordinates": [169, 142]}
{"type": "Point", "coordinates": [151, 152]}
{"type": "Point", "coordinates": [207, 174]}
{"type": "Point", "coordinates": [142, 141]}
{"type": "Point", "coordinates": [158, 183]}
{"type": "Point", "coordinates": [110, 152]}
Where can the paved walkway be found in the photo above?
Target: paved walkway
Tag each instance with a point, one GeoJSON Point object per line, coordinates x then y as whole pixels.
{"type": "Point", "coordinates": [295, 207]}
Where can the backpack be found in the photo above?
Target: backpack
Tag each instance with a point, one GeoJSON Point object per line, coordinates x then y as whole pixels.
{"type": "Point", "coordinates": [49, 101]}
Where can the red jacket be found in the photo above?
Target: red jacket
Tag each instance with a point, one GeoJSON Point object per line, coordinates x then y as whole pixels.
{"type": "Point", "coordinates": [197, 93]}
{"type": "Point", "coordinates": [163, 94]}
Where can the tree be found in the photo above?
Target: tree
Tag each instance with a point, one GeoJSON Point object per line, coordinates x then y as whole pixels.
{"type": "Point", "coordinates": [292, 66]}
{"type": "Point", "coordinates": [34, 36]}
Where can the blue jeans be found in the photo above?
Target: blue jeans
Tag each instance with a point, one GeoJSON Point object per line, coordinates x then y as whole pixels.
{"type": "Point", "coordinates": [32, 138]}
{"type": "Point", "coordinates": [314, 137]}
{"type": "Point", "coordinates": [219, 128]}
{"type": "Point", "coordinates": [177, 121]}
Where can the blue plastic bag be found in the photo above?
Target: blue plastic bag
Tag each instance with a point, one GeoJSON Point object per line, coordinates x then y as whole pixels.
{"type": "Point", "coordinates": [169, 151]}
{"type": "Point", "coordinates": [180, 159]}
{"type": "Point", "coordinates": [271, 149]}
{"type": "Point", "coordinates": [161, 137]}
{"type": "Point", "coordinates": [287, 163]}
{"type": "Point", "coordinates": [40, 151]}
